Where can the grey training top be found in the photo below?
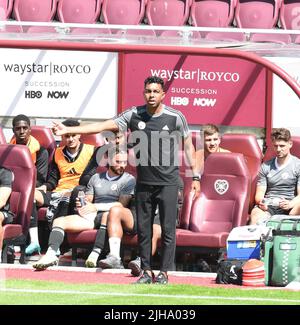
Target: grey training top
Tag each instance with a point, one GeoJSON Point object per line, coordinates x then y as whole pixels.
{"type": "Point", "coordinates": [282, 181]}
{"type": "Point", "coordinates": [106, 190]}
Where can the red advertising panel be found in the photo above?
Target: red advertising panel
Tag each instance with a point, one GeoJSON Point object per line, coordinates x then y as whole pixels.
{"type": "Point", "coordinates": [223, 91]}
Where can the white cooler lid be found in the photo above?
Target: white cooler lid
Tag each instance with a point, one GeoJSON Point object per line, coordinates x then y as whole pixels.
{"type": "Point", "coordinates": [252, 232]}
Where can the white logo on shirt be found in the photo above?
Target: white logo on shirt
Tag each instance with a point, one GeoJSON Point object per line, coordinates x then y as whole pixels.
{"type": "Point", "coordinates": [141, 125]}
{"type": "Point", "coordinates": [114, 187]}
{"type": "Point", "coordinates": [166, 128]}
{"type": "Point", "coordinates": [285, 175]}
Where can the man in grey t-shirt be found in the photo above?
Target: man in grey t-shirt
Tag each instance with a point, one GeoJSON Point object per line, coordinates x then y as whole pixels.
{"type": "Point", "coordinates": [278, 185]}
{"type": "Point", "coordinates": [112, 188]}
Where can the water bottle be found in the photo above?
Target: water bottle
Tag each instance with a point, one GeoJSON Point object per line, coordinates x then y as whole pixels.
{"type": "Point", "coordinates": [81, 197]}
{"type": "Point", "coordinates": [266, 201]}
{"type": "Point", "coordinates": [272, 201]}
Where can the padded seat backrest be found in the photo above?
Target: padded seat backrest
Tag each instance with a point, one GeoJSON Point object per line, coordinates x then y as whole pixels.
{"type": "Point", "coordinates": [257, 14]}
{"type": "Point", "coordinates": [34, 10]}
{"type": "Point", "coordinates": [46, 139]}
{"type": "Point", "coordinates": [167, 12]}
{"type": "Point", "coordinates": [247, 145]}
{"type": "Point", "coordinates": [79, 11]}
{"type": "Point", "coordinates": [212, 13]}
{"type": "Point", "coordinates": [18, 159]}
{"type": "Point", "coordinates": [186, 174]}
{"type": "Point", "coordinates": [5, 9]}
{"type": "Point", "coordinates": [290, 14]}
{"type": "Point", "coordinates": [295, 150]}
{"type": "Point", "coordinates": [96, 140]}
{"type": "Point", "coordinates": [123, 12]}
{"type": "Point", "coordinates": [224, 199]}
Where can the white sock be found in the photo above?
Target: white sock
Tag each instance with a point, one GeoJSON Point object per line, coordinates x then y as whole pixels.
{"type": "Point", "coordinates": [51, 252]}
{"type": "Point", "coordinates": [34, 235]}
{"type": "Point", "coordinates": [94, 254]}
{"type": "Point", "coordinates": [114, 246]}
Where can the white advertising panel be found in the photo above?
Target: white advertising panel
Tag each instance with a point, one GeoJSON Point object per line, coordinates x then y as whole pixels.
{"type": "Point", "coordinates": [55, 84]}
{"type": "Point", "coordinates": [286, 104]}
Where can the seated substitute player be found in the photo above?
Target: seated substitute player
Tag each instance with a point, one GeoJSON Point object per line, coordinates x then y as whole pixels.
{"type": "Point", "coordinates": [278, 184]}
{"type": "Point", "coordinates": [113, 187]}
{"type": "Point", "coordinates": [22, 135]}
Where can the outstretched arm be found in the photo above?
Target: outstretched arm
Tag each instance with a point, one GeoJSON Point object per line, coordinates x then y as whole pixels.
{"type": "Point", "coordinates": [109, 125]}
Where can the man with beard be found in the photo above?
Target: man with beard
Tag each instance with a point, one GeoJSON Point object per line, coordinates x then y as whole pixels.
{"type": "Point", "coordinates": [112, 188]}
{"type": "Point", "coordinates": [278, 184]}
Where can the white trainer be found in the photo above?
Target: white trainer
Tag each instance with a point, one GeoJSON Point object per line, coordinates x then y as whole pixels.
{"type": "Point", "coordinates": [46, 261]}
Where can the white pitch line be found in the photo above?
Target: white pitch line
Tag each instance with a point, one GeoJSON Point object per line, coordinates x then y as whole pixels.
{"type": "Point", "coordinates": [120, 294]}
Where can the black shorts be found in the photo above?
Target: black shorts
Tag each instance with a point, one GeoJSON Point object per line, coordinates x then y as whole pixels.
{"type": "Point", "coordinates": [46, 198]}
{"type": "Point", "coordinates": [8, 217]}
{"type": "Point", "coordinates": [134, 230]}
{"type": "Point", "coordinates": [276, 210]}
{"type": "Point", "coordinates": [97, 220]}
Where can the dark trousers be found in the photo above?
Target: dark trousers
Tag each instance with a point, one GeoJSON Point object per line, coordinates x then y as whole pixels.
{"type": "Point", "coordinates": [148, 198]}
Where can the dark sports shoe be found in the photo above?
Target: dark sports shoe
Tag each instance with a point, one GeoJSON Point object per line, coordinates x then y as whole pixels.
{"type": "Point", "coordinates": [161, 278]}
{"type": "Point", "coordinates": [135, 266]}
{"type": "Point", "coordinates": [145, 278]}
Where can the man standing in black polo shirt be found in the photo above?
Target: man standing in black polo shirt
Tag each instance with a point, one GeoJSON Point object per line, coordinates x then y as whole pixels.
{"type": "Point", "coordinates": [156, 132]}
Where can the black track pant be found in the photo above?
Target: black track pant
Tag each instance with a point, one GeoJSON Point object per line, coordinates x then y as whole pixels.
{"type": "Point", "coordinates": [148, 197]}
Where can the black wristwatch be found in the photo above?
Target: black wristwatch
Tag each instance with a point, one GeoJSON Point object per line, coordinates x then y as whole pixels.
{"type": "Point", "coordinates": [196, 178]}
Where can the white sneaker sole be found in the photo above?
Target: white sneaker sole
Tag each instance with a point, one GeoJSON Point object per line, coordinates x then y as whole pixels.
{"type": "Point", "coordinates": [44, 266]}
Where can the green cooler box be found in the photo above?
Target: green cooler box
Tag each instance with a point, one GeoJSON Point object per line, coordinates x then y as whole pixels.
{"type": "Point", "coordinates": [282, 251]}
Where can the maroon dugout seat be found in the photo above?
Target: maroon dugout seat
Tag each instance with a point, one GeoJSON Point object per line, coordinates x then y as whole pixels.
{"type": "Point", "coordinates": [18, 159]}
{"type": "Point", "coordinates": [212, 13]}
{"type": "Point", "coordinates": [45, 137]}
{"type": "Point", "coordinates": [247, 145]}
{"type": "Point", "coordinates": [79, 11]}
{"type": "Point", "coordinates": [2, 136]}
{"type": "Point", "coordinates": [222, 204]}
{"type": "Point", "coordinates": [261, 14]}
{"type": "Point", "coordinates": [167, 12]}
{"type": "Point", "coordinates": [295, 150]}
{"type": "Point", "coordinates": [123, 12]}
{"type": "Point", "coordinates": [186, 174]}
{"type": "Point", "coordinates": [5, 9]}
{"type": "Point", "coordinates": [96, 140]}
{"type": "Point", "coordinates": [34, 10]}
